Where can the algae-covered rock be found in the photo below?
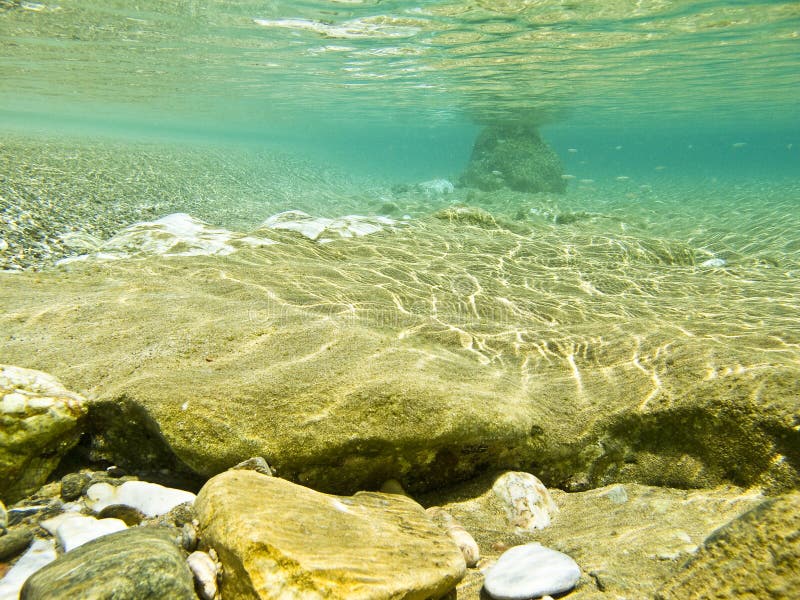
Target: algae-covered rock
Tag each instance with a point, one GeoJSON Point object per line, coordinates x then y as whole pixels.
{"type": "Point", "coordinates": [515, 157]}
{"type": "Point", "coordinates": [128, 565]}
{"type": "Point", "coordinates": [39, 421]}
{"type": "Point", "coordinates": [277, 539]}
{"type": "Point", "coordinates": [755, 556]}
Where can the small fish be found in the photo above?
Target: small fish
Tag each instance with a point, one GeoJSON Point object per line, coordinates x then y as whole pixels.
{"type": "Point", "coordinates": [739, 145]}
{"type": "Point", "coordinates": [572, 150]}
{"type": "Point", "coordinates": [622, 178]}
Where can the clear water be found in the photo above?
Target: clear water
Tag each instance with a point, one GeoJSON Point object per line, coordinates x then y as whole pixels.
{"type": "Point", "coordinates": [412, 80]}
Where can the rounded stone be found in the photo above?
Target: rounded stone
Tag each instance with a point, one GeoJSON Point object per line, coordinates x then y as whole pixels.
{"type": "Point", "coordinates": [14, 543]}
{"type": "Point", "coordinates": [73, 485]}
{"type": "Point", "coordinates": [531, 571]}
{"type": "Point", "coordinates": [128, 514]}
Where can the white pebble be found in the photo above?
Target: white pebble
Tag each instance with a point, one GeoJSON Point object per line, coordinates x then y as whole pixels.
{"type": "Point", "coordinates": [205, 572]}
{"type": "Point", "coordinates": [150, 499]}
{"type": "Point", "coordinates": [527, 502]}
{"type": "Point", "coordinates": [73, 529]}
{"type": "Point", "coordinates": [531, 571]}
{"type": "Point", "coordinates": [713, 262]}
{"type": "Point", "coordinates": [39, 554]}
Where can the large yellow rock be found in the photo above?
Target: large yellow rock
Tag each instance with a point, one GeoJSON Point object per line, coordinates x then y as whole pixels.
{"type": "Point", "coordinates": [277, 539]}
{"type": "Point", "coordinates": [39, 421]}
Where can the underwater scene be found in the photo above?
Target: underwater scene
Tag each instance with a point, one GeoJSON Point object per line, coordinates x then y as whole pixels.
{"type": "Point", "coordinates": [385, 299]}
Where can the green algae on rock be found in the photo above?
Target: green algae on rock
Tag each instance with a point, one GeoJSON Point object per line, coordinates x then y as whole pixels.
{"type": "Point", "coordinates": [40, 420]}
{"type": "Point", "coordinates": [515, 157]}
{"type": "Point", "coordinates": [128, 565]}
{"type": "Point", "coordinates": [277, 540]}
{"type": "Point", "coordinates": [754, 556]}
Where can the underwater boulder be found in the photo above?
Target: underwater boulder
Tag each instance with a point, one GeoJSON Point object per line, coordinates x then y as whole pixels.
{"type": "Point", "coordinates": [514, 157]}
{"type": "Point", "coordinates": [277, 539]}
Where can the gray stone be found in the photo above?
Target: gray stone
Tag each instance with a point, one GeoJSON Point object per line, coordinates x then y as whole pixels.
{"type": "Point", "coordinates": [129, 565]}
{"type": "Point", "coordinates": [15, 542]}
{"type": "Point", "coordinates": [74, 485]}
{"type": "Point", "coordinates": [531, 571]}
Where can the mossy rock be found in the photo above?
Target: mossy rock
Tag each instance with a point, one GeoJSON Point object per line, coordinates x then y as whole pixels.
{"type": "Point", "coordinates": [514, 157]}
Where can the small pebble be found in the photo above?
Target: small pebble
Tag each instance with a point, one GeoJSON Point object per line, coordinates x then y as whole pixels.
{"type": "Point", "coordinates": [128, 514]}
{"type": "Point", "coordinates": [462, 538]}
{"type": "Point", "coordinates": [73, 485]}
{"type": "Point", "coordinates": [189, 537]}
{"type": "Point", "coordinates": [531, 571]}
{"type": "Point", "coordinates": [116, 472]}
{"type": "Point", "coordinates": [14, 543]}
{"type": "Point", "coordinates": [205, 570]}
{"type": "Point", "coordinates": [257, 464]}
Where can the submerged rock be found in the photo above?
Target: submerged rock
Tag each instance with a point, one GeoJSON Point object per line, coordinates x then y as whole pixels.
{"type": "Point", "coordinates": [515, 157]}
{"type": "Point", "coordinates": [40, 420]}
{"type": "Point", "coordinates": [436, 187]}
{"type": "Point", "coordinates": [280, 540]}
{"type": "Point", "coordinates": [754, 556]}
{"type": "Point", "coordinates": [15, 542]}
{"type": "Point", "coordinates": [323, 229]}
{"type": "Point", "coordinates": [128, 565]}
{"type": "Point", "coordinates": [531, 352]}
{"type": "Point", "coordinates": [531, 571]}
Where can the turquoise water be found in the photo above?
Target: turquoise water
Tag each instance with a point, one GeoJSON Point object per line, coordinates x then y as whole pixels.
{"type": "Point", "coordinates": [401, 87]}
